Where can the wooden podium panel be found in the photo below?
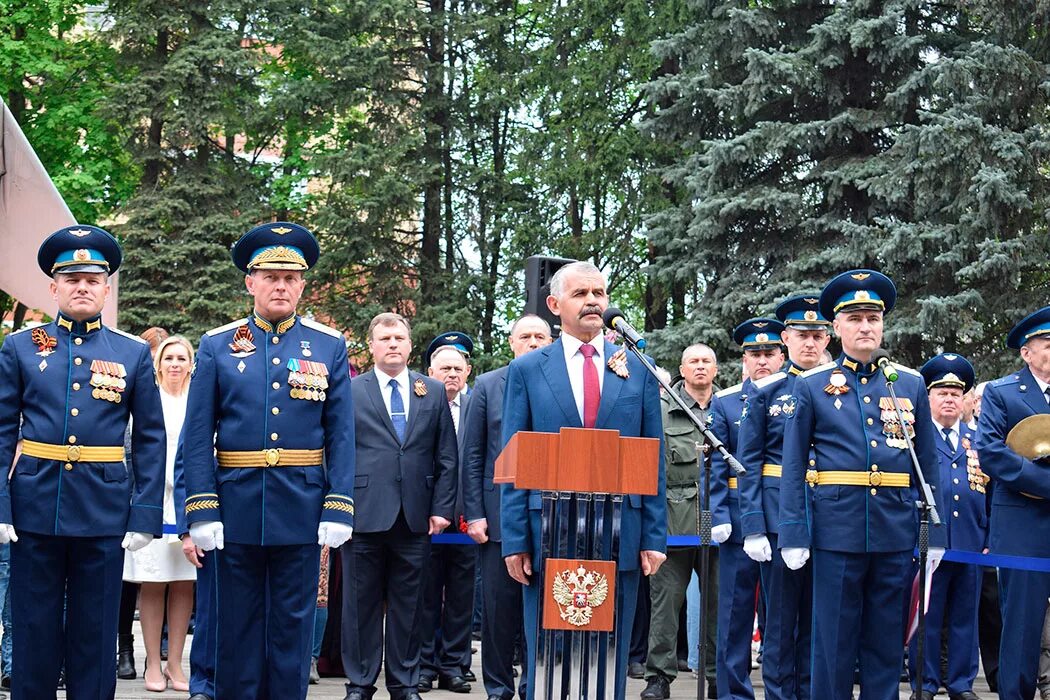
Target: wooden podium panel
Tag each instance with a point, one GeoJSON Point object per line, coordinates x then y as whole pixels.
{"type": "Point", "coordinates": [584, 460]}
{"type": "Point", "coordinates": [579, 595]}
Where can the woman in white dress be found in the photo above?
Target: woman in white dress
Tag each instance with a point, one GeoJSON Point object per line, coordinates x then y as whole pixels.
{"type": "Point", "coordinates": [161, 565]}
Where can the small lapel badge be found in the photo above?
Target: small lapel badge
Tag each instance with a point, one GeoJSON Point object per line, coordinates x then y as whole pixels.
{"type": "Point", "coordinates": [420, 387]}
{"type": "Point", "coordinates": [304, 345]}
{"type": "Point", "coordinates": [618, 363]}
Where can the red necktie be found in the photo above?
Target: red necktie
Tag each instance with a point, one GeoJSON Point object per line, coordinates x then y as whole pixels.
{"type": "Point", "coordinates": [592, 393]}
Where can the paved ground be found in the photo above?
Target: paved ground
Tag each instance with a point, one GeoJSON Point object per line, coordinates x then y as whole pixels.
{"type": "Point", "coordinates": [332, 688]}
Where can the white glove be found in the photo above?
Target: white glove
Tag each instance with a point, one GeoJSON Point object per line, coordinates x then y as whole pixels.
{"type": "Point", "coordinates": [757, 547]}
{"type": "Point", "coordinates": [934, 556]}
{"type": "Point", "coordinates": [795, 557]}
{"type": "Point", "coordinates": [7, 533]}
{"type": "Point", "coordinates": [333, 534]}
{"type": "Point", "coordinates": [134, 541]}
{"type": "Point", "coordinates": [721, 533]}
{"type": "Point", "coordinates": [207, 535]}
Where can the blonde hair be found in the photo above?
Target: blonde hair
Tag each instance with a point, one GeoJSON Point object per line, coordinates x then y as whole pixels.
{"type": "Point", "coordinates": [164, 344]}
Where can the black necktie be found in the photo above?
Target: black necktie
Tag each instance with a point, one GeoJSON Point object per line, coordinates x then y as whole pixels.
{"type": "Point", "coordinates": [948, 437]}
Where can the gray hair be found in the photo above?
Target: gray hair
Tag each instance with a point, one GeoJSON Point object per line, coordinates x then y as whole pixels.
{"type": "Point", "coordinates": [529, 317]}
{"type": "Point", "coordinates": [700, 347]}
{"type": "Point", "coordinates": [580, 267]}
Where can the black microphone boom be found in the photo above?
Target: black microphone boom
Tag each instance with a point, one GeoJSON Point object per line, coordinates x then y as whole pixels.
{"type": "Point", "coordinates": [615, 320]}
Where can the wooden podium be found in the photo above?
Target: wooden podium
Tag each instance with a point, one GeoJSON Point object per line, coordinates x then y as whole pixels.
{"type": "Point", "coordinates": [583, 474]}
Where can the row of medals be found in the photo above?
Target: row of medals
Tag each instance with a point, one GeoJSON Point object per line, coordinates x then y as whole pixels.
{"type": "Point", "coordinates": [106, 387]}
{"type": "Point", "coordinates": [310, 387]}
{"type": "Point", "coordinates": [891, 428]}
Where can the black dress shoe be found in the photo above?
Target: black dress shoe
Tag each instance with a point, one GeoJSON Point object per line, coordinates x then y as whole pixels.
{"type": "Point", "coordinates": [469, 676]}
{"type": "Point", "coordinates": [200, 696]}
{"type": "Point", "coordinates": [425, 684]}
{"type": "Point", "coordinates": [926, 695]}
{"type": "Point", "coordinates": [457, 684]}
{"type": "Point", "coordinates": [712, 690]}
{"type": "Point", "coordinates": [410, 695]}
{"type": "Point", "coordinates": [683, 665]}
{"type": "Point", "coordinates": [352, 694]}
{"type": "Point", "coordinates": [635, 670]}
{"type": "Point", "coordinates": [658, 687]}
{"type": "Point", "coordinates": [964, 695]}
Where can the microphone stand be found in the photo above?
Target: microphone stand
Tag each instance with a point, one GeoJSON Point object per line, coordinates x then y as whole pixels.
{"type": "Point", "coordinates": [704, 507]}
{"type": "Point", "coordinates": [927, 513]}
{"type": "Point", "coordinates": [709, 437]}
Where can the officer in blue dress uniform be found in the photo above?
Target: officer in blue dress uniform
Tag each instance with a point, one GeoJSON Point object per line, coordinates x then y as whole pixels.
{"type": "Point", "coordinates": [855, 508]}
{"type": "Point", "coordinates": [1020, 501]}
{"type": "Point", "coordinates": [955, 589]}
{"type": "Point", "coordinates": [737, 573]}
{"type": "Point", "coordinates": [74, 384]}
{"type": "Point", "coordinates": [271, 392]}
{"type": "Point", "coordinates": [788, 594]}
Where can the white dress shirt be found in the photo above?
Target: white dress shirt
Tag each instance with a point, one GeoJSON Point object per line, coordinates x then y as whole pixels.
{"type": "Point", "coordinates": [455, 407]}
{"type": "Point", "coordinates": [1042, 385]}
{"type": "Point", "coordinates": [954, 439]}
{"type": "Point", "coordinates": [574, 364]}
{"type": "Point", "coordinates": [402, 387]}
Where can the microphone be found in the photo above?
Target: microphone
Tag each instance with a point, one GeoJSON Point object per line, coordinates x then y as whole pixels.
{"type": "Point", "coordinates": [615, 320]}
{"type": "Point", "coordinates": [888, 370]}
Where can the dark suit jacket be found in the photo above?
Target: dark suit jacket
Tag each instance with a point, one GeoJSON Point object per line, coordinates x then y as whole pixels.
{"type": "Point", "coordinates": [418, 476]}
{"type": "Point", "coordinates": [481, 444]}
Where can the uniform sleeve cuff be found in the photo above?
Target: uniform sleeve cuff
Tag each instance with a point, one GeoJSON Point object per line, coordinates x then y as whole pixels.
{"type": "Point", "coordinates": [794, 535]}
{"type": "Point", "coordinates": [753, 523]}
{"type": "Point", "coordinates": [338, 509]}
{"type": "Point", "coordinates": [202, 507]}
{"type": "Point", "coordinates": [147, 519]}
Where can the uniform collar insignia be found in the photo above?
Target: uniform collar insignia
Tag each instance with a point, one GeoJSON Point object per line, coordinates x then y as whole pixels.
{"type": "Point", "coordinates": [282, 326]}
{"type": "Point", "coordinates": [79, 327]}
{"type": "Point", "coordinates": [794, 370]}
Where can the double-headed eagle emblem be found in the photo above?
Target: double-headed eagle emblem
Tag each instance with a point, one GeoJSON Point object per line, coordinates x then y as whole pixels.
{"type": "Point", "coordinates": [578, 594]}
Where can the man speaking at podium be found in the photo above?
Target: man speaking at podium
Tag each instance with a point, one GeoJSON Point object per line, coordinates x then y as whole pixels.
{"type": "Point", "coordinates": [581, 381]}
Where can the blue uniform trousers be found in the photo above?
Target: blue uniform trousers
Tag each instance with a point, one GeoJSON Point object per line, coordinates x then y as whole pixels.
{"type": "Point", "coordinates": [266, 596]}
{"type": "Point", "coordinates": [859, 603]}
{"type": "Point", "coordinates": [787, 633]}
{"type": "Point", "coordinates": [202, 652]}
{"type": "Point", "coordinates": [738, 577]}
{"type": "Point", "coordinates": [43, 569]}
{"type": "Point", "coordinates": [1023, 596]}
{"type": "Point", "coordinates": [955, 593]}
{"type": "Point", "coordinates": [626, 602]}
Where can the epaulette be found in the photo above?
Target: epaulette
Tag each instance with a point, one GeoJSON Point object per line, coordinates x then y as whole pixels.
{"type": "Point", "coordinates": [820, 368]}
{"type": "Point", "coordinates": [23, 329]}
{"type": "Point", "coordinates": [309, 323]}
{"type": "Point", "coordinates": [907, 370]}
{"type": "Point", "coordinates": [766, 381]}
{"type": "Point", "coordinates": [127, 335]}
{"type": "Point", "coordinates": [228, 327]}
{"type": "Point", "coordinates": [1007, 380]}
{"type": "Point", "coordinates": [730, 391]}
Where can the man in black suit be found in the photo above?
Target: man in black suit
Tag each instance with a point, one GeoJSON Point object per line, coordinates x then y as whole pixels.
{"type": "Point", "coordinates": [448, 600]}
{"type": "Point", "coordinates": [501, 617]}
{"type": "Point", "coordinates": [404, 491]}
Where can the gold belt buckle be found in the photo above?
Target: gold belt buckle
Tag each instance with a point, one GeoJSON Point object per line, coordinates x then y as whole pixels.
{"type": "Point", "coordinates": [73, 453]}
{"type": "Point", "coordinates": [811, 477]}
{"type": "Point", "coordinates": [273, 457]}
{"type": "Point", "coordinates": [875, 478]}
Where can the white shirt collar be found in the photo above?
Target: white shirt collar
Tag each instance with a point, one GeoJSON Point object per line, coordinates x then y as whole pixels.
{"type": "Point", "coordinates": [401, 377]}
{"type": "Point", "coordinates": [1042, 385]}
{"type": "Point", "coordinates": [572, 346]}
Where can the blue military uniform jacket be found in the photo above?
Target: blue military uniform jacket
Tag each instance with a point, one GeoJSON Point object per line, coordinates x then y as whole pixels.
{"type": "Point", "coordinates": [260, 394]}
{"type": "Point", "coordinates": [1021, 497]}
{"type": "Point", "coordinates": [728, 408]}
{"type": "Point", "coordinates": [843, 413]}
{"type": "Point", "coordinates": [770, 405]}
{"type": "Point", "coordinates": [538, 397]}
{"type": "Point", "coordinates": [75, 385]}
{"type": "Point", "coordinates": [964, 487]}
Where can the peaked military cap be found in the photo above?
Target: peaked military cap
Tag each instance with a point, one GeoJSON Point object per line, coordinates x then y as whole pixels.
{"type": "Point", "coordinates": [948, 370]}
{"type": "Point", "coordinates": [456, 339]}
{"type": "Point", "coordinates": [758, 334]}
{"type": "Point", "coordinates": [1033, 325]}
{"type": "Point", "coordinates": [79, 249]}
{"type": "Point", "coordinates": [802, 311]}
{"type": "Point", "coordinates": [276, 246]}
{"type": "Point", "coordinates": [858, 290]}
